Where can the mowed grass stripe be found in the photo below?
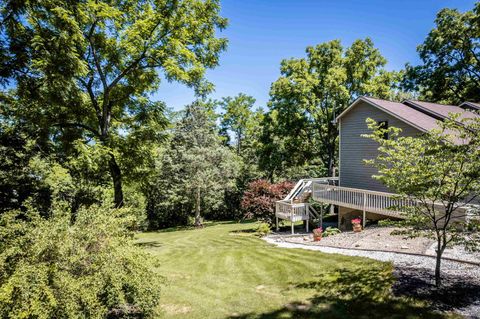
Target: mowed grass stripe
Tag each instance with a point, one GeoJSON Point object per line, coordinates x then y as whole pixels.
{"type": "Point", "coordinates": [225, 271]}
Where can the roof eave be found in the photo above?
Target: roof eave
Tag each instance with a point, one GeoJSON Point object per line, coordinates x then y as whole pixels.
{"type": "Point", "coordinates": [364, 99]}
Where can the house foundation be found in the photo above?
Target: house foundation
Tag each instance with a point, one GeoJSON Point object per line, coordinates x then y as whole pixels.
{"type": "Point", "coordinates": [345, 216]}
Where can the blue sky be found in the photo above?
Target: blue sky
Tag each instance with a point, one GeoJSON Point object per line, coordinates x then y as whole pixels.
{"type": "Point", "coordinates": [263, 32]}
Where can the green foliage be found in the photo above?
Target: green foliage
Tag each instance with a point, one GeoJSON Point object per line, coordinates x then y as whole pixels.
{"type": "Point", "coordinates": [329, 231]}
{"type": "Point", "coordinates": [51, 268]}
{"type": "Point", "coordinates": [239, 119]}
{"type": "Point", "coordinates": [239, 125]}
{"type": "Point", "coordinates": [194, 172]}
{"type": "Point", "coordinates": [450, 71]}
{"type": "Point", "coordinates": [389, 223]}
{"type": "Point", "coordinates": [84, 70]}
{"type": "Point", "coordinates": [308, 96]}
{"type": "Point", "coordinates": [263, 229]}
{"type": "Point", "coordinates": [439, 171]}
{"type": "Point", "coordinates": [18, 181]}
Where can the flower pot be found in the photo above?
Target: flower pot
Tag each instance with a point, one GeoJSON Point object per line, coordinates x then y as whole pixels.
{"type": "Point", "coordinates": [317, 237]}
{"type": "Point", "coordinates": [357, 228]}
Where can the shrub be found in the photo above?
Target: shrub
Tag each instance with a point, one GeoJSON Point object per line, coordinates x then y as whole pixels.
{"type": "Point", "coordinates": [259, 199]}
{"type": "Point", "coordinates": [263, 229]}
{"type": "Point", "coordinates": [329, 231]}
{"type": "Point", "coordinates": [51, 268]}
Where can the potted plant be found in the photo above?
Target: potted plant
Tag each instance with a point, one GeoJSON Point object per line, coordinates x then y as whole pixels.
{"type": "Point", "coordinates": [357, 225]}
{"type": "Point", "coordinates": [317, 234]}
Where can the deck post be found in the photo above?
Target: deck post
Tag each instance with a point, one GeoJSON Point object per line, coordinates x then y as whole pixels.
{"type": "Point", "coordinates": [321, 216]}
{"type": "Point", "coordinates": [307, 226]}
{"type": "Point", "coordinates": [276, 223]}
{"type": "Point", "coordinates": [364, 208]}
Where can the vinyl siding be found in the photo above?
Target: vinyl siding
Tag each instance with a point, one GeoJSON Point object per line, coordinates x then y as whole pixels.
{"type": "Point", "coordinates": [354, 148]}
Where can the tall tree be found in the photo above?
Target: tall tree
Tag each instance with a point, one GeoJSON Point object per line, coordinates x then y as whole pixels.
{"type": "Point", "coordinates": [236, 117]}
{"type": "Point", "coordinates": [85, 69]}
{"type": "Point", "coordinates": [450, 71]}
{"type": "Point", "coordinates": [197, 169]}
{"type": "Point", "coordinates": [312, 91]}
{"type": "Point", "coordinates": [438, 173]}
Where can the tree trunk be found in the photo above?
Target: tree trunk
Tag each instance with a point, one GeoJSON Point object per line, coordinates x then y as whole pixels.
{"type": "Point", "coordinates": [330, 163]}
{"type": "Point", "coordinates": [239, 142]}
{"type": "Point", "coordinates": [116, 174]}
{"type": "Point", "coordinates": [438, 276]}
{"type": "Point", "coordinates": [198, 218]}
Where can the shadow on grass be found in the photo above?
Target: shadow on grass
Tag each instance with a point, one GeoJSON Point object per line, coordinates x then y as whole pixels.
{"type": "Point", "coordinates": [190, 227]}
{"type": "Point", "coordinates": [358, 292]}
{"type": "Point", "coordinates": [244, 231]}
{"type": "Point", "coordinates": [149, 244]}
{"type": "Point", "coordinates": [456, 291]}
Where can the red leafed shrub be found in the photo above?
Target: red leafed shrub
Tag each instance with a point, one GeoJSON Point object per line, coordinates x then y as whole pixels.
{"type": "Point", "coordinates": [259, 199]}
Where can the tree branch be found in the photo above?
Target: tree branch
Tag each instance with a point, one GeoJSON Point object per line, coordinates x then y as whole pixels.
{"type": "Point", "coordinates": [77, 125]}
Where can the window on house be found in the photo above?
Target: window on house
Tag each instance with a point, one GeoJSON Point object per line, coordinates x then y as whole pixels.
{"type": "Point", "coordinates": [384, 125]}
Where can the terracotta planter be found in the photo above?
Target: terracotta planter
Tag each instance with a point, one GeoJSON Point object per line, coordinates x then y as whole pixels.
{"type": "Point", "coordinates": [357, 228]}
{"type": "Point", "coordinates": [317, 237]}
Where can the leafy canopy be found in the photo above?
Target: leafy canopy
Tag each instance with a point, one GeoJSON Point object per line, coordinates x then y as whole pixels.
{"type": "Point", "coordinates": [450, 69]}
{"type": "Point", "coordinates": [237, 118]}
{"type": "Point", "coordinates": [312, 91]}
{"type": "Point", "coordinates": [86, 69]}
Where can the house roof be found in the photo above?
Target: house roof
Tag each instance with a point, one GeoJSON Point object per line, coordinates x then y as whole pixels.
{"type": "Point", "coordinates": [440, 111]}
{"type": "Point", "coordinates": [470, 105]}
{"type": "Point", "coordinates": [409, 115]}
{"type": "Point", "coordinates": [423, 116]}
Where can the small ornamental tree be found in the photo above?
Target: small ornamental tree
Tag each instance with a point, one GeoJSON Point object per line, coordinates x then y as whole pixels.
{"type": "Point", "coordinates": [438, 172]}
{"type": "Point", "coordinates": [259, 199]}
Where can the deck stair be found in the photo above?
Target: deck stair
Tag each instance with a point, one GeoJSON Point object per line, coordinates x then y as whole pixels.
{"type": "Point", "coordinates": [295, 207]}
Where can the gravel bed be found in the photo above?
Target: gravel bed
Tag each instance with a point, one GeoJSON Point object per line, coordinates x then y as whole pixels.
{"type": "Point", "coordinates": [380, 238]}
{"type": "Point", "coordinates": [456, 252]}
{"type": "Point", "coordinates": [414, 275]}
{"type": "Point", "coordinates": [377, 238]}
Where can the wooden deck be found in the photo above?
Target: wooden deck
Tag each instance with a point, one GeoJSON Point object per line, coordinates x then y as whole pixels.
{"type": "Point", "coordinates": [291, 212]}
{"type": "Point", "coordinates": [381, 203]}
{"type": "Point", "coordinates": [324, 190]}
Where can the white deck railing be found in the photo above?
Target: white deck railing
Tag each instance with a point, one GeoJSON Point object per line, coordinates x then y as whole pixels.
{"type": "Point", "coordinates": [292, 212]}
{"type": "Point", "coordinates": [361, 199]}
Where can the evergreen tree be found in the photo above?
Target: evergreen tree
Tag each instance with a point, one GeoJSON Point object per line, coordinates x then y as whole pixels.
{"type": "Point", "coordinates": [195, 170]}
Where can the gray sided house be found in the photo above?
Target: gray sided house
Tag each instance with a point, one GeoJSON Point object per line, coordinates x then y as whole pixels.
{"type": "Point", "coordinates": [355, 192]}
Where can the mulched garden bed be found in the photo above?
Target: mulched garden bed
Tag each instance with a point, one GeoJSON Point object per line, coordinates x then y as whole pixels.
{"type": "Point", "coordinates": [459, 292]}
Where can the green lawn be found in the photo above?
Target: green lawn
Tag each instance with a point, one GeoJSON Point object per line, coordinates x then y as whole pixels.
{"type": "Point", "coordinates": [225, 271]}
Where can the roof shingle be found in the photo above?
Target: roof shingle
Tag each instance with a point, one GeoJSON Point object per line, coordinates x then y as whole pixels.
{"type": "Point", "coordinates": [441, 110]}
